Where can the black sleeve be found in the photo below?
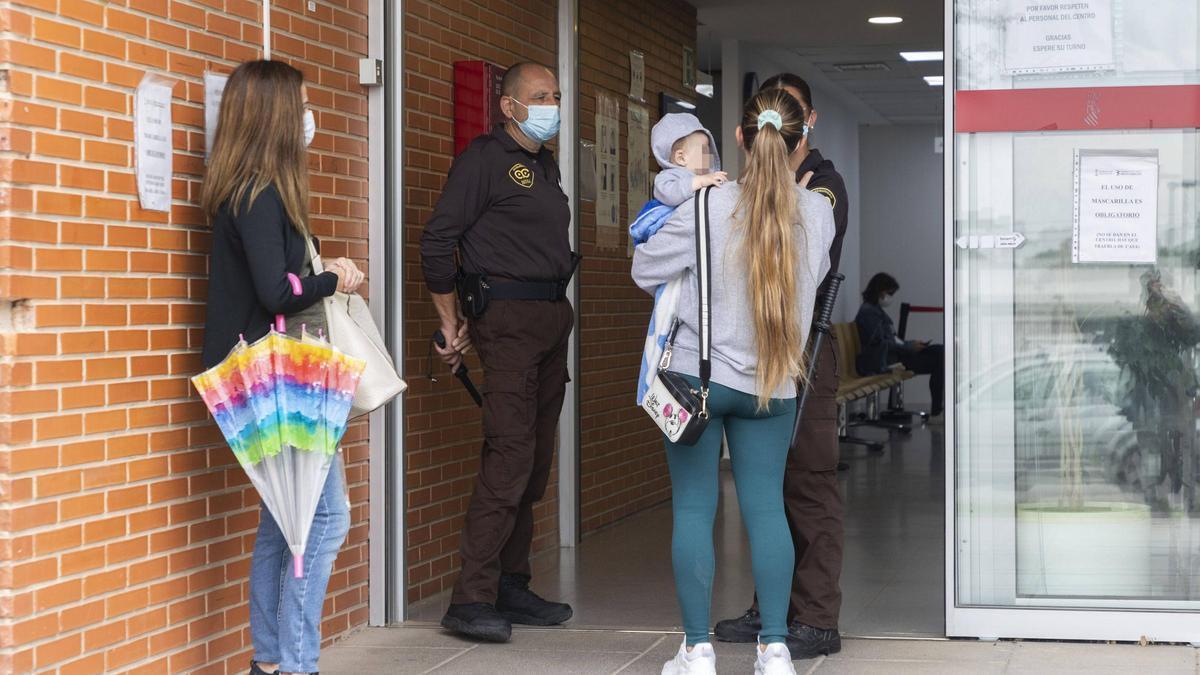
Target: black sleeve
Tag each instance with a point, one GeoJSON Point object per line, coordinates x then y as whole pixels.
{"type": "Point", "coordinates": [263, 228]}
{"type": "Point", "coordinates": [463, 201]}
{"type": "Point", "coordinates": [831, 186]}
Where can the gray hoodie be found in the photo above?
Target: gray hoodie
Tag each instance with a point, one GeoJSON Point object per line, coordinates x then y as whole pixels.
{"type": "Point", "coordinates": [672, 251]}
{"type": "Point", "coordinates": [673, 185]}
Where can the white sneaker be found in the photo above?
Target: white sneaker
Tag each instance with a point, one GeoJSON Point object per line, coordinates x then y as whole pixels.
{"type": "Point", "coordinates": [702, 660]}
{"type": "Point", "coordinates": [775, 660]}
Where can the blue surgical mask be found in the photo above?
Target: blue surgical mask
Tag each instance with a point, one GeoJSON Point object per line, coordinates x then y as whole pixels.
{"type": "Point", "coordinates": [541, 124]}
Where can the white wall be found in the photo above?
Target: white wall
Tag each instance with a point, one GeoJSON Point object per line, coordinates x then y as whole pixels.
{"type": "Point", "coordinates": [901, 209]}
{"type": "Point", "coordinates": [836, 136]}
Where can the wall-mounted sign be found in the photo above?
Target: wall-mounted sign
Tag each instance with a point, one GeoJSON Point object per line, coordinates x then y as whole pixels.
{"type": "Point", "coordinates": [152, 141]}
{"type": "Point", "coordinates": [608, 171]}
{"type": "Point", "coordinates": [1054, 37]}
{"type": "Point", "coordinates": [214, 89]}
{"type": "Point", "coordinates": [689, 69]}
{"type": "Point", "coordinates": [637, 76]}
{"type": "Point", "coordinates": [1116, 206]}
{"type": "Point", "coordinates": [637, 175]}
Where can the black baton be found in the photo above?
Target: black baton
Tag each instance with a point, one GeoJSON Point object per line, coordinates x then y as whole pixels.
{"type": "Point", "coordinates": [821, 326]}
{"type": "Point", "coordinates": [461, 371]}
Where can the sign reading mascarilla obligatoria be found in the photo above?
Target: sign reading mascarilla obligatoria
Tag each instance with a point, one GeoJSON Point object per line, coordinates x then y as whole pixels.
{"type": "Point", "coordinates": [1116, 206]}
{"type": "Point", "coordinates": [1053, 37]}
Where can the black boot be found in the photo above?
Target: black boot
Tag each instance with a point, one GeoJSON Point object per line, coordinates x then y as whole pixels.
{"type": "Point", "coordinates": [520, 605]}
{"type": "Point", "coordinates": [807, 642]}
{"type": "Point", "coordinates": [742, 629]}
{"type": "Point", "coordinates": [255, 670]}
{"type": "Point", "coordinates": [479, 621]}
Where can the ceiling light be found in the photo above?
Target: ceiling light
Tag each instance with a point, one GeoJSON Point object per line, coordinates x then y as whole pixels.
{"type": "Point", "coordinates": [922, 56]}
{"type": "Point", "coordinates": [884, 19]}
{"type": "Point", "coordinates": [704, 84]}
{"type": "Point", "coordinates": [685, 105]}
{"type": "Point", "coordinates": [934, 80]}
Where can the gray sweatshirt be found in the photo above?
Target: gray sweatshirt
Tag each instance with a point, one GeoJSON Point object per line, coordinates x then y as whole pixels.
{"type": "Point", "coordinates": [672, 251]}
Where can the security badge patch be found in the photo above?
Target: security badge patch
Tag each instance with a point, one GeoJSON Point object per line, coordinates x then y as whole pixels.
{"type": "Point", "coordinates": [827, 193]}
{"type": "Point", "coordinates": [521, 175]}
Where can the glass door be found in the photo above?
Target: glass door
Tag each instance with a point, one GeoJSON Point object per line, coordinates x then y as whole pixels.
{"type": "Point", "coordinates": [1074, 260]}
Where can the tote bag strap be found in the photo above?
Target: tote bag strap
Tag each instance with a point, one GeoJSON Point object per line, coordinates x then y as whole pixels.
{"type": "Point", "coordinates": [318, 265]}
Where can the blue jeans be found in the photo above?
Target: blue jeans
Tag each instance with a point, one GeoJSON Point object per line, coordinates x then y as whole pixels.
{"type": "Point", "coordinates": [758, 450]}
{"type": "Point", "coordinates": [285, 612]}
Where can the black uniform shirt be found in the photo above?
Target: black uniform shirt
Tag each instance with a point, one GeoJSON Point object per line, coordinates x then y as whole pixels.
{"type": "Point", "coordinates": [506, 209]}
{"type": "Point", "coordinates": [827, 182]}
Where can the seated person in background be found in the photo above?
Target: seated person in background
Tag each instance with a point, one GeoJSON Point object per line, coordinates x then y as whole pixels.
{"type": "Point", "coordinates": [881, 347]}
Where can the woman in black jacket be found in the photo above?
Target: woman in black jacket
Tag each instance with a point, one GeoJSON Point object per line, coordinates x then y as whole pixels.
{"type": "Point", "coordinates": [881, 347]}
{"type": "Point", "coordinates": [256, 198]}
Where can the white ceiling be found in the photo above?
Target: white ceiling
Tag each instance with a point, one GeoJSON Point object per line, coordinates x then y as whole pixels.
{"type": "Point", "coordinates": [822, 34]}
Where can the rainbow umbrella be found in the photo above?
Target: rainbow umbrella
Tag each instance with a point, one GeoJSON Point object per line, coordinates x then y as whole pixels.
{"type": "Point", "coordinates": [283, 404]}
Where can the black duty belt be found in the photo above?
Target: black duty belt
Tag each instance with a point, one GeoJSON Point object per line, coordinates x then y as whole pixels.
{"type": "Point", "coordinates": [551, 291]}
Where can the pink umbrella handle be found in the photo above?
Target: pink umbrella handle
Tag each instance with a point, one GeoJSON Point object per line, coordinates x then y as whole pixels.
{"type": "Point", "coordinates": [298, 566]}
{"type": "Point", "coordinates": [297, 289]}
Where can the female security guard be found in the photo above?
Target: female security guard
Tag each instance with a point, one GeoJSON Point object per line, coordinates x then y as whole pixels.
{"type": "Point", "coordinates": [810, 491]}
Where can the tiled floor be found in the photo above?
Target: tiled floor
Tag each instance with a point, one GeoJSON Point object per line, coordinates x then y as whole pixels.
{"type": "Point", "coordinates": [892, 578]}
{"type": "Point", "coordinates": [626, 620]}
{"type": "Point", "coordinates": [413, 650]}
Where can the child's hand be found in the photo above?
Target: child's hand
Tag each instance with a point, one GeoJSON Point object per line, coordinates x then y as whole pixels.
{"type": "Point", "coordinates": [717, 178]}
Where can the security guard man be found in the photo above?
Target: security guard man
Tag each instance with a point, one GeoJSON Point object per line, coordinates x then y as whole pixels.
{"type": "Point", "coordinates": [811, 497]}
{"type": "Point", "coordinates": [504, 212]}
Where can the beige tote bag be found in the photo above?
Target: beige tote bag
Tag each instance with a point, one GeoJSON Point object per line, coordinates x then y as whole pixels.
{"type": "Point", "coordinates": [352, 330]}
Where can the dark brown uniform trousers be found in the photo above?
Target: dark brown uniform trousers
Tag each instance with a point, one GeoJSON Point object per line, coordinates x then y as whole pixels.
{"type": "Point", "coordinates": [523, 348]}
{"type": "Point", "coordinates": [813, 502]}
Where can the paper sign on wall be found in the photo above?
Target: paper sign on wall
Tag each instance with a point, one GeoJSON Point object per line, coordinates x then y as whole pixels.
{"type": "Point", "coordinates": [152, 141]}
{"type": "Point", "coordinates": [1053, 37]}
{"type": "Point", "coordinates": [214, 89]}
{"type": "Point", "coordinates": [638, 174]}
{"type": "Point", "coordinates": [1116, 206]}
{"type": "Point", "coordinates": [637, 76]}
{"type": "Point", "coordinates": [608, 171]}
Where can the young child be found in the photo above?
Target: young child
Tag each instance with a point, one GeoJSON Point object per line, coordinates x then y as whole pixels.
{"type": "Point", "coordinates": [687, 153]}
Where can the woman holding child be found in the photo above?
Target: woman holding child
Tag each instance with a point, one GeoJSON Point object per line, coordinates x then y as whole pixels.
{"type": "Point", "coordinates": [770, 241]}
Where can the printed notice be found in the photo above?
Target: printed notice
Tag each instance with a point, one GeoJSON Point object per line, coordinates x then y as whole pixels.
{"type": "Point", "coordinates": [608, 171]}
{"type": "Point", "coordinates": [152, 134]}
{"type": "Point", "coordinates": [1116, 207]}
{"type": "Point", "coordinates": [1055, 37]}
{"type": "Point", "coordinates": [638, 173]}
{"type": "Point", "coordinates": [214, 88]}
{"type": "Point", "coordinates": [637, 76]}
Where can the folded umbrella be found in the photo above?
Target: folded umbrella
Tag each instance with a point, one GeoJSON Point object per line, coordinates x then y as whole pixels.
{"type": "Point", "coordinates": [283, 405]}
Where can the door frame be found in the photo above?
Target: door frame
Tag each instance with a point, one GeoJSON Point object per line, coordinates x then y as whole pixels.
{"type": "Point", "coordinates": [995, 622]}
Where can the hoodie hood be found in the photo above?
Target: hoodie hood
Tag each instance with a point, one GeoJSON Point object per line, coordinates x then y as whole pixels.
{"type": "Point", "coordinates": [671, 128]}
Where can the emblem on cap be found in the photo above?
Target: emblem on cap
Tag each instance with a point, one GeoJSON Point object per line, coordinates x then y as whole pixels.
{"type": "Point", "coordinates": [521, 175]}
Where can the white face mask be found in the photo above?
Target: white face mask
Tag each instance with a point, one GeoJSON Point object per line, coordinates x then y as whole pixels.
{"type": "Point", "coordinates": [885, 301]}
{"type": "Point", "coordinates": [310, 127]}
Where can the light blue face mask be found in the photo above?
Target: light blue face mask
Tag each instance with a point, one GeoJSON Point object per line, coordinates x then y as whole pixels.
{"type": "Point", "coordinates": [542, 123]}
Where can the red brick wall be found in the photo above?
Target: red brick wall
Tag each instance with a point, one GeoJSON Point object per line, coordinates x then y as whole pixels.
{"type": "Point", "coordinates": [126, 525]}
{"type": "Point", "coordinates": [623, 468]}
{"type": "Point", "coordinates": [443, 437]}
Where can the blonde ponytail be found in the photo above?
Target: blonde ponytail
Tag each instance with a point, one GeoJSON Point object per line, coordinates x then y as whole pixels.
{"type": "Point", "coordinates": [766, 214]}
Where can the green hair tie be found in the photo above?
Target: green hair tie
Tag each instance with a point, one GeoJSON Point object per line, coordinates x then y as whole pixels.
{"type": "Point", "coordinates": [771, 117]}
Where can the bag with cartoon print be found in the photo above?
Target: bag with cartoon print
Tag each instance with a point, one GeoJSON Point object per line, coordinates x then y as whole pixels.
{"type": "Point", "coordinates": [679, 410]}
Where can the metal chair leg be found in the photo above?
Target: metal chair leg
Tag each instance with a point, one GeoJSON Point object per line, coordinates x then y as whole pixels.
{"type": "Point", "coordinates": [872, 417]}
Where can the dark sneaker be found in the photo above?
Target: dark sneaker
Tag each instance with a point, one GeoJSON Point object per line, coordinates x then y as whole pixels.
{"type": "Point", "coordinates": [520, 605]}
{"type": "Point", "coordinates": [255, 670]}
{"type": "Point", "coordinates": [806, 642]}
{"type": "Point", "coordinates": [742, 629]}
{"type": "Point", "coordinates": [479, 621]}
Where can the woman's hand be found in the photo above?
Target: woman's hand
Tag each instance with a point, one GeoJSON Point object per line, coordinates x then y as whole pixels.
{"type": "Point", "coordinates": [349, 276]}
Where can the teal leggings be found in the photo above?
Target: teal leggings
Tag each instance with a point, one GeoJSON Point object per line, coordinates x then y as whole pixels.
{"type": "Point", "coordinates": [758, 447]}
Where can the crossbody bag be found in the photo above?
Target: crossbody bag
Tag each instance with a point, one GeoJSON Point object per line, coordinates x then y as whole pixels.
{"type": "Point", "coordinates": [679, 410]}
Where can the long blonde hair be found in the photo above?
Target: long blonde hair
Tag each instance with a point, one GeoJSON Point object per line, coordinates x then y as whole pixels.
{"type": "Point", "coordinates": [766, 214]}
{"type": "Point", "coordinates": [260, 142]}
